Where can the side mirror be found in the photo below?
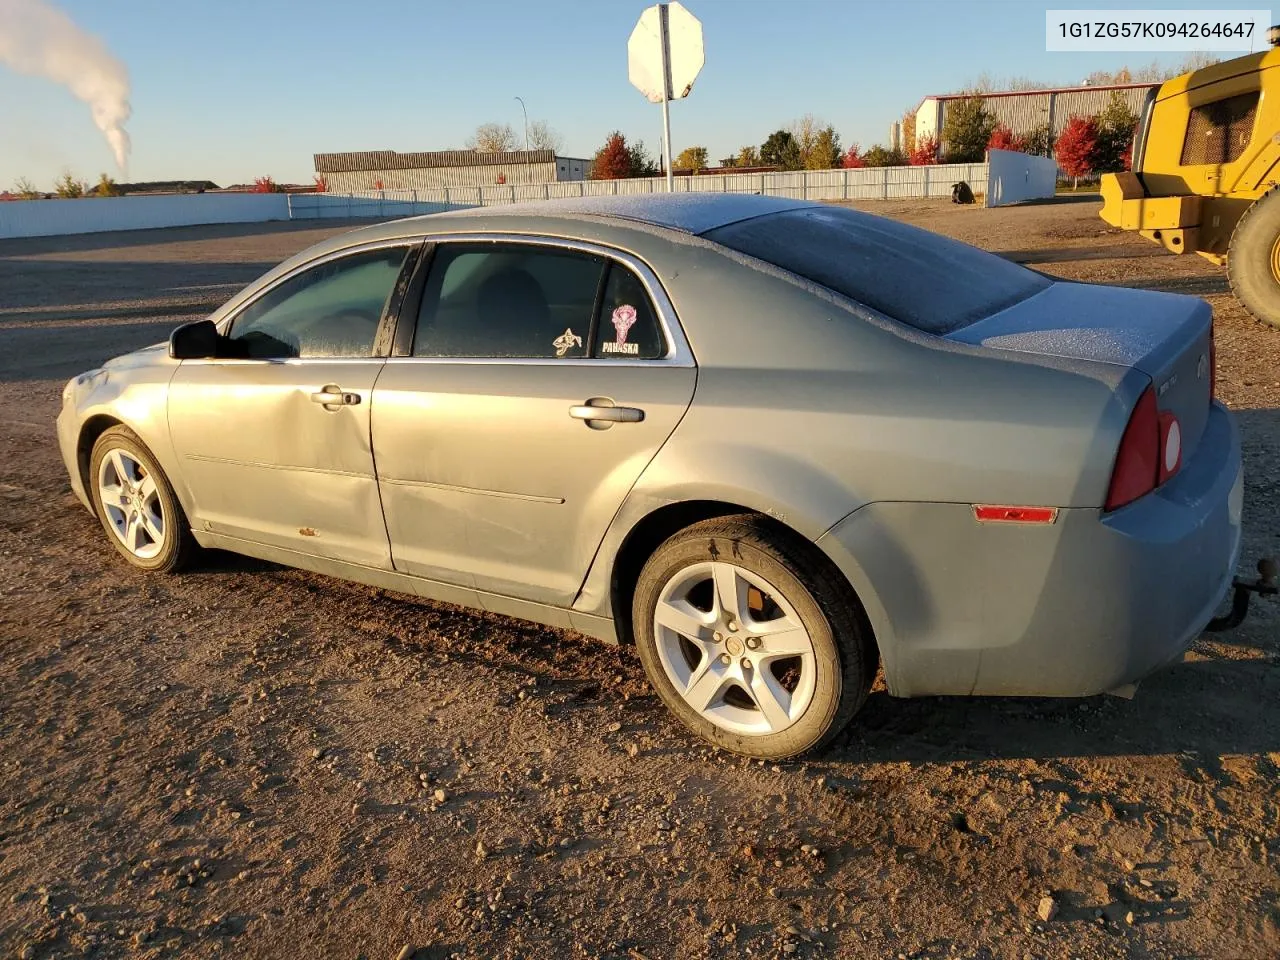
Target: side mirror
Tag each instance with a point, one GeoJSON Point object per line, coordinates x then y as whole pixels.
{"type": "Point", "coordinates": [194, 341]}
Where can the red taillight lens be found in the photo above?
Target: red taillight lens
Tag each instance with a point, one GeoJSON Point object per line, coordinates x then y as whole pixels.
{"type": "Point", "coordinates": [1138, 464]}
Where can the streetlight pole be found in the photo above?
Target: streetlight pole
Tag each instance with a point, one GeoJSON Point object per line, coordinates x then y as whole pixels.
{"type": "Point", "coordinates": [526, 124]}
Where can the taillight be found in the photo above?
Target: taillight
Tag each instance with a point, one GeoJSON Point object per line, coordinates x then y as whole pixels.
{"type": "Point", "coordinates": [1138, 460]}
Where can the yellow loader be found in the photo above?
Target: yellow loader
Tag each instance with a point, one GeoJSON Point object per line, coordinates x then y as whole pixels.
{"type": "Point", "coordinates": [1206, 164]}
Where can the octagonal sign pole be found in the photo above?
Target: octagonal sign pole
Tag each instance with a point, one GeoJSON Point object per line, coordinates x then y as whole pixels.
{"type": "Point", "coordinates": [664, 56]}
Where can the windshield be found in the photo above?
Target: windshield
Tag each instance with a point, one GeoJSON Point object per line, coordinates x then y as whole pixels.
{"type": "Point", "coordinates": [930, 282]}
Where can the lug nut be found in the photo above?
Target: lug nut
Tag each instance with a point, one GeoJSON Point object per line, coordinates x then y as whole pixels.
{"type": "Point", "coordinates": [745, 663]}
{"type": "Point", "coordinates": [719, 636]}
{"type": "Point", "coordinates": [753, 643]}
{"type": "Point", "coordinates": [726, 659]}
{"type": "Point", "coordinates": [733, 626]}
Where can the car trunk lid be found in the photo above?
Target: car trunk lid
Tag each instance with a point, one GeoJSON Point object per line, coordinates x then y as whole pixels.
{"type": "Point", "coordinates": [1165, 336]}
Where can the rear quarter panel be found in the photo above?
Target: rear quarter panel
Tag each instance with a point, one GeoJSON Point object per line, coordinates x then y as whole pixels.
{"type": "Point", "coordinates": [807, 410]}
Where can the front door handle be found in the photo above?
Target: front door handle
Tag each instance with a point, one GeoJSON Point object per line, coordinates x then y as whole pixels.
{"type": "Point", "coordinates": [333, 396]}
{"type": "Point", "coordinates": [600, 413]}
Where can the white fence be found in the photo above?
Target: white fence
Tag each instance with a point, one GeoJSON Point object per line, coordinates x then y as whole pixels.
{"type": "Point", "coordinates": [46, 218]}
{"type": "Point", "coordinates": [1015, 177]}
{"type": "Point", "coordinates": [867, 183]}
{"type": "Point", "coordinates": [41, 218]}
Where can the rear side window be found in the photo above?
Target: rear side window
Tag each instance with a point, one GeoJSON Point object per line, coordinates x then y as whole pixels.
{"type": "Point", "coordinates": [509, 300]}
{"type": "Point", "coordinates": [929, 282]}
{"type": "Point", "coordinates": [1218, 132]}
{"type": "Point", "coordinates": [626, 328]}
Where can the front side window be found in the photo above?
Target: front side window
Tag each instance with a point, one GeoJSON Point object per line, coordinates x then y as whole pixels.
{"type": "Point", "coordinates": [508, 300]}
{"type": "Point", "coordinates": [330, 310]}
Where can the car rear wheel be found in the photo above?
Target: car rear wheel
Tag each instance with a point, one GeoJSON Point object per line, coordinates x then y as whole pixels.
{"type": "Point", "coordinates": [136, 504]}
{"type": "Point", "coordinates": [751, 642]}
{"type": "Point", "coordinates": [1253, 259]}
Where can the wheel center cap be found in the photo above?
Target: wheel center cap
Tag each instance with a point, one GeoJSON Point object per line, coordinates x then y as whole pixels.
{"type": "Point", "coordinates": [734, 646]}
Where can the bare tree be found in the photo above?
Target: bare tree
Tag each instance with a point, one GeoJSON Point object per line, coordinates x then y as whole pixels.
{"type": "Point", "coordinates": [492, 138]}
{"type": "Point", "coordinates": [1152, 72]}
{"type": "Point", "coordinates": [26, 189]}
{"type": "Point", "coordinates": [542, 136]}
{"type": "Point", "coordinates": [989, 83]}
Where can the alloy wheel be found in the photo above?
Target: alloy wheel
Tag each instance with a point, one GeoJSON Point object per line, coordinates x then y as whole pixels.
{"type": "Point", "coordinates": [734, 648]}
{"type": "Point", "coordinates": [131, 502]}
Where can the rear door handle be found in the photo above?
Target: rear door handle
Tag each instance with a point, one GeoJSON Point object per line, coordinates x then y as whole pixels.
{"type": "Point", "coordinates": [600, 413]}
{"type": "Point", "coordinates": [333, 396]}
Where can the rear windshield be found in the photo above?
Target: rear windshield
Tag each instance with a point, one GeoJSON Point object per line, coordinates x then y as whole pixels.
{"type": "Point", "coordinates": [933, 283]}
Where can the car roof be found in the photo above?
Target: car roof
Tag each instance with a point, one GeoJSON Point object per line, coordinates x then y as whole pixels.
{"type": "Point", "coordinates": [693, 213]}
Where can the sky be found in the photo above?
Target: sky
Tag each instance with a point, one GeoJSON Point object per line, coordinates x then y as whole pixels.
{"type": "Point", "coordinates": [236, 89]}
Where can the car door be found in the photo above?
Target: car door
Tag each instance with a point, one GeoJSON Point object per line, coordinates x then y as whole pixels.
{"type": "Point", "coordinates": [273, 439]}
{"type": "Point", "coordinates": [542, 378]}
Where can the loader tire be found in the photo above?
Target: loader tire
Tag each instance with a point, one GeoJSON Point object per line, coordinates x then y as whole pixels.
{"type": "Point", "coordinates": [1253, 259]}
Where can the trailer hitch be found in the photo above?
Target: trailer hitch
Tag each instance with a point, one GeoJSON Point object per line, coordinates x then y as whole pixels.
{"type": "Point", "coordinates": [1264, 586]}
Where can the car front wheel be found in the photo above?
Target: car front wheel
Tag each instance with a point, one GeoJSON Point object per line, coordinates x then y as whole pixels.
{"type": "Point", "coordinates": [752, 642]}
{"type": "Point", "coordinates": [136, 503]}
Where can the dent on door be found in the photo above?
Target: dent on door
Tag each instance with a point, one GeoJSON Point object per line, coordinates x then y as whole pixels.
{"type": "Point", "coordinates": [268, 461]}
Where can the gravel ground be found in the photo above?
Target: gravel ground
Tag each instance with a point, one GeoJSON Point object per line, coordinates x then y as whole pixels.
{"type": "Point", "coordinates": [253, 761]}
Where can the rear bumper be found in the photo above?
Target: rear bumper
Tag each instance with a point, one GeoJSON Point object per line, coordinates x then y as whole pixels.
{"type": "Point", "coordinates": [1075, 608]}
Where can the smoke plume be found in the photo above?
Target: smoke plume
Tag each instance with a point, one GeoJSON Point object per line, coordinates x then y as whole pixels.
{"type": "Point", "coordinates": [40, 40]}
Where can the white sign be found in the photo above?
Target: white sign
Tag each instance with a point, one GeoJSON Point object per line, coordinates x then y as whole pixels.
{"type": "Point", "coordinates": [686, 56]}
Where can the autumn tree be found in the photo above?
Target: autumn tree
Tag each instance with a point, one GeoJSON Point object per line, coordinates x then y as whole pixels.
{"type": "Point", "coordinates": [26, 190]}
{"type": "Point", "coordinates": [908, 131]}
{"type": "Point", "coordinates": [691, 158]}
{"type": "Point", "coordinates": [322, 183]}
{"type": "Point", "coordinates": [967, 129]}
{"type": "Point", "coordinates": [612, 161]}
{"type": "Point", "coordinates": [1075, 148]}
{"type": "Point", "coordinates": [618, 160]}
{"type": "Point", "coordinates": [748, 157]}
{"type": "Point", "coordinates": [781, 150]}
{"type": "Point", "coordinates": [824, 152]}
{"type": "Point", "coordinates": [107, 187]}
{"type": "Point", "coordinates": [879, 156]}
{"type": "Point", "coordinates": [1002, 138]}
{"type": "Point", "coordinates": [68, 187]}
{"type": "Point", "coordinates": [926, 152]}
{"type": "Point", "coordinates": [1116, 125]}
{"type": "Point", "coordinates": [1039, 141]}
{"type": "Point", "coordinates": [642, 163]}
{"type": "Point", "coordinates": [852, 158]}
{"type": "Point", "coordinates": [493, 138]}
{"type": "Point", "coordinates": [266, 185]}
{"type": "Point", "coordinates": [543, 137]}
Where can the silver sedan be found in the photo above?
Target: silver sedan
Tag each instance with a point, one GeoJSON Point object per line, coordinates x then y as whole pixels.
{"type": "Point", "coordinates": [773, 444]}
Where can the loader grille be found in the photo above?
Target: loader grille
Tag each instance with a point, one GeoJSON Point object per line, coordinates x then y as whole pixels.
{"type": "Point", "coordinates": [1218, 132]}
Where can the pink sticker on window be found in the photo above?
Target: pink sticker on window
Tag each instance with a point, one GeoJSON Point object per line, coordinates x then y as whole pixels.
{"type": "Point", "coordinates": [623, 319]}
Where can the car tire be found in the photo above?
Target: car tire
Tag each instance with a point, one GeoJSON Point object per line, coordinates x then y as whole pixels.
{"type": "Point", "coordinates": [136, 504]}
{"type": "Point", "coordinates": [1253, 259]}
{"type": "Point", "coordinates": [736, 672]}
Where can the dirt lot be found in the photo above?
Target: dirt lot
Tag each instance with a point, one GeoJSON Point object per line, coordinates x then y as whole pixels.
{"type": "Point", "coordinates": [257, 762]}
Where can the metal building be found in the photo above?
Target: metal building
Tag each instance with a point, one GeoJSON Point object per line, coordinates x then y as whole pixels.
{"type": "Point", "coordinates": [388, 170]}
{"type": "Point", "coordinates": [1024, 110]}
